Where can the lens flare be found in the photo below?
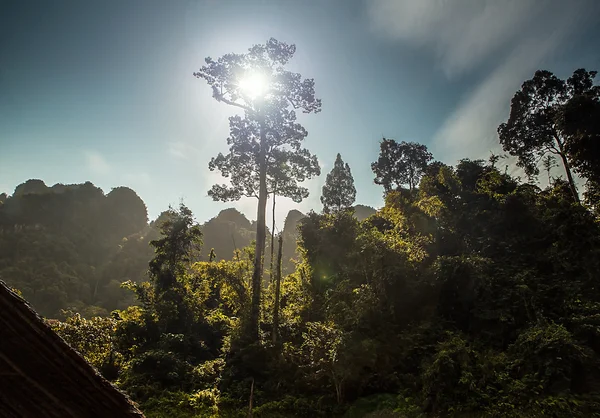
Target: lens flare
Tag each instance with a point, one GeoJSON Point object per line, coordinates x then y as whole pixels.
{"type": "Point", "coordinates": [254, 85]}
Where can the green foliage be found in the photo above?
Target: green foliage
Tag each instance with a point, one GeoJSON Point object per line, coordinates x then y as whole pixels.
{"type": "Point", "coordinates": [472, 295]}
{"type": "Point", "coordinates": [553, 116]}
{"type": "Point", "coordinates": [92, 338]}
{"type": "Point", "coordinates": [202, 403]}
{"type": "Point", "coordinates": [400, 164]}
{"type": "Point", "coordinates": [70, 246]}
{"type": "Point", "coordinates": [75, 253]}
{"type": "Point", "coordinates": [385, 406]}
{"type": "Point", "coordinates": [265, 145]}
{"type": "Point", "coordinates": [339, 192]}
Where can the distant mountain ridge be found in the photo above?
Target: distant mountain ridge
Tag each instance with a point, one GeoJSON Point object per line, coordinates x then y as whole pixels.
{"type": "Point", "coordinates": [70, 246]}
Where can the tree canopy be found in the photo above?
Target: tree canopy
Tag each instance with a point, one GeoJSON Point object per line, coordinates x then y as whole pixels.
{"type": "Point", "coordinates": [400, 163]}
{"type": "Point", "coordinates": [265, 144]}
{"type": "Point", "coordinates": [470, 292]}
{"type": "Point", "coordinates": [338, 192]}
{"type": "Point", "coordinates": [551, 115]}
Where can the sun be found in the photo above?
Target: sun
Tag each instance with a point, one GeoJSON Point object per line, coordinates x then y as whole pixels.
{"type": "Point", "coordinates": [255, 85]}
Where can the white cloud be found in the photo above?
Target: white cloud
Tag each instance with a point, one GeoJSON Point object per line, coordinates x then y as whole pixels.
{"type": "Point", "coordinates": [96, 163]}
{"type": "Point", "coordinates": [471, 128]}
{"type": "Point", "coordinates": [461, 33]}
{"type": "Point", "coordinates": [516, 35]}
{"type": "Point", "coordinates": [182, 150]}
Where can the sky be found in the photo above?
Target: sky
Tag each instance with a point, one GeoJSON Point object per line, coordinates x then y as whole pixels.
{"type": "Point", "coordinates": [104, 92]}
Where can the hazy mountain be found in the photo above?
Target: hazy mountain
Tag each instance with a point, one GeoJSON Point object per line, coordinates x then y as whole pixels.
{"type": "Point", "coordinates": [57, 244]}
{"type": "Point", "coordinates": [71, 246]}
{"type": "Point", "coordinates": [362, 212]}
{"type": "Point", "coordinates": [226, 232]}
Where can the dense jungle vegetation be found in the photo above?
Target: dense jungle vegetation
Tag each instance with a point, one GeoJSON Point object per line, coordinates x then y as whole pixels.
{"type": "Point", "coordinates": [470, 293]}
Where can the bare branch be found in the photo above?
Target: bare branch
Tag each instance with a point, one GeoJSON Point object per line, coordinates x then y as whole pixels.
{"type": "Point", "coordinates": [221, 98]}
{"type": "Point", "coordinates": [294, 105]}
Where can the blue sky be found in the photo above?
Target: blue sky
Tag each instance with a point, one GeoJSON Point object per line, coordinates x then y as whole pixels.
{"type": "Point", "coordinates": [103, 91]}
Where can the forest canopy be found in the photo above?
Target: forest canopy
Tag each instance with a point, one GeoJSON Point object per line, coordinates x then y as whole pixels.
{"type": "Point", "coordinates": [471, 292]}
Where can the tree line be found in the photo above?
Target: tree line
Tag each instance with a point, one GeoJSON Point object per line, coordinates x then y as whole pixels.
{"type": "Point", "coordinates": [469, 293]}
{"type": "Point", "coordinates": [549, 117]}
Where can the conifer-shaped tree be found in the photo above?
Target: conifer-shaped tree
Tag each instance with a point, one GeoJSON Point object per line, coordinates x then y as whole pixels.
{"type": "Point", "coordinates": [339, 192]}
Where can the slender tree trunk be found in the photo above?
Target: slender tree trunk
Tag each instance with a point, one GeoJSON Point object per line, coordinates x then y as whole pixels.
{"type": "Point", "coordinates": [251, 399]}
{"type": "Point", "coordinates": [570, 177]}
{"type": "Point", "coordinates": [277, 292]}
{"type": "Point", "coordinates": [338, 388]}
{"type": "Point", "coordinates": [567, 169]}
{"type": "Point", "coordinates": [272, 240]}
{"type": "Point", "coordinates": [260, 235]}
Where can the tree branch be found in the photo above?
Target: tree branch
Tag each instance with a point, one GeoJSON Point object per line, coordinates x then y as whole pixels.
{"type": "Point", "coordinates": [231, 103]}
{"type": "Point", "coordinates": [552, 149]}
{"type": "Point", "coordinates": [292, 103]}
{"type": "Point", "coordinates": [221, 97]}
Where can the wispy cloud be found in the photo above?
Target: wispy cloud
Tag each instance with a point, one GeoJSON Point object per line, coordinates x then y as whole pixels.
{"type": "Point", "coordinates": [138, 179]}
{"type": "Point", "coordinates": [462, 33]}
{"type": "Point", "coordinates": [96, 163]}
{"type": "Point", "coordinates": [182, 150]}
{"type": "Point", "coordinates": [516, 36]}
{"type": "Point", "coordinates": [471, 128]}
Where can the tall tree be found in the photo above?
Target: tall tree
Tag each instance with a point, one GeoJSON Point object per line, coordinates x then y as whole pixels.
{"type": "Point", "coordinates": [534, 127]}
{"type": "Point", "coordinates": [180, 242]}
{"type": "Point", "coordinates": [266, 137]}
{"type": "Point", "coordinates": [581, 121]}
{"type": "Point", "coordinates": [178, 246]}
{"type": "Point", "coordinates": [338, 192]}
{"type": "Point", "coordinates": [400, 164]}
{"type": "Point", "coordinates": [282, 182]}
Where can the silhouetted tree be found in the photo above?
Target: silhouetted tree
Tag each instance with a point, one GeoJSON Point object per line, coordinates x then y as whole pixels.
{"type": "Point", "coordinates": [400, 164]}
{"type": "Point", "coordinates": [338, 192]}
{"type": "Point", "coordinates": [534, 126]}
{"type": "Point", "coordinates": [266, 137]}
{"type": "Point", "coordinates": [581, 122]}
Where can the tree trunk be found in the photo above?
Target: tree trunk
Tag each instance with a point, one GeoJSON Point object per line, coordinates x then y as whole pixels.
{"type": "Point", "coordinates": [260, 235]}
{"type": "Point", "coordinates": [570, 178]}
{"type": "Point", "coordinates": [338, 388]}
{"type": "Point", "coordinates": [277, 291]}
{"type": "Point", "coordinates": [272, 241]}
{"type": "Point", "coordinates": [567, 170]}
{"type": "Point", "coordinates": [251, 399]}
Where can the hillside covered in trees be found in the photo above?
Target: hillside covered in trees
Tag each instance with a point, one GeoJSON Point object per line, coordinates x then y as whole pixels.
{"type": "Point", "coordinates": [474, 293]}
{"type": "Point", "coordinates": [471, 292]}
{"type": "Point", "coordinates": [70, 247]}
